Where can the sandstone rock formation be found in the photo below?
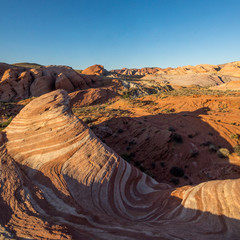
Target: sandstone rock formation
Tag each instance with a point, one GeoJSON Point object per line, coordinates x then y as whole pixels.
{"type": "Point", "coordinates": [4, 67]}
{"type": "Point", "coordinates": [229, 69]}
{"type": "Point", "coordinates": [232, 69]}
{"type": "Point", "coordinates": [204, 75]}
{"type": "Point", "coordinates": [59, 181]}
{"type": "Point", "coordinates": [202, 68]}
{"type": "Point", "coordinates": [136, 71]}
{"type": "Point", "coordinates": [233, 85]}
{"type": "Point", "coordinates": [95, 70]}
{"type": "Point", "coordinates": [18, 83]}
{"type": "Point", "coordinates": [197, 79]}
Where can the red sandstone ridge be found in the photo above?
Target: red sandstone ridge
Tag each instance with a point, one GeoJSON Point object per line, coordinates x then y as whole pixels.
{"type": "Point", "coordinates": [228, 69]}
{"type": "Point", "coordinates": [20, 83]}
{"type": "Point", "coordinates": [95, 70]}
{"type": "Point", "coordinates": [59, 181]}
{"type": "Point", "coordinates": [135, 71]}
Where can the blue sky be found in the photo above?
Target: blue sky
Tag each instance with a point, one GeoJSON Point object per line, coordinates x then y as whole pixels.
{"type": "Point", "coordinates": [120, 33]}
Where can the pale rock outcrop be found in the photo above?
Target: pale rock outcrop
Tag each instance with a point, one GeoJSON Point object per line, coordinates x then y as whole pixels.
{"type": "Point", "coordinates": [59, 181]}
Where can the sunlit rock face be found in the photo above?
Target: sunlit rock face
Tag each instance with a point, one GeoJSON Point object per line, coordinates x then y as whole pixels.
{"type": "Point", "coordinates": [59, 181]}
{"type": "Point", "coordinates": [95, 70]}
{"type": "Point", "coordinates": [136, 71]}
{"type": "Point", "coordinates": [18, 83]}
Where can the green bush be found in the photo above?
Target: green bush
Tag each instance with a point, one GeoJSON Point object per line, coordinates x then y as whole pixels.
{"type": "Point", "coordinates": [223, 152]}
{"type": "Point", "coordinates": [237, 150]}
{"type": "Point", "coordinates": [5, 124]}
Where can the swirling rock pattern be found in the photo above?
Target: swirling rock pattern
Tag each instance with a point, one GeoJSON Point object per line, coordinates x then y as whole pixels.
{"type": "Point", "coordinates": [59, 181]}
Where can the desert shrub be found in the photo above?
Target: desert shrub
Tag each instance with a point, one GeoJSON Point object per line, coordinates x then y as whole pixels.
{"type": "Point", "coordinates": [194, 153]}
{"type": "Point", "coordinates": [120, 130]}
{"type": "Point", "coordinates": [197, 91]}
{"type": "Point", "coordinates": [175, 137]}
{"type": "Point", "coordinates": [162, 164]}
{"type": "Point", "coordinates": [128, 156]}
{"type": "Point", "coordinates": [175, 181]}
{"type": "Point", "coordinates": [5, 124]}
{"type": "Point", "coordinates": [153, 165]}
{"type": "Point", "coordinates": [212, 148]}
{"type": "Point", "coordinates": [223, 152]}
{"type": "Point", "coordinates": [237, 150]}
{"type": "Point", "coordinates": [177, 172]}
{"type": "Point", "coordinates": [87, 120]}
{"type": "Point", "coordinates": [168, 110]}
{"type": "Point", "coordinates": [235, 136]}
{"type": "Point", "coordinates": [171, 129]}
{"type": "Point", "coordinates": [206, 144]}
{"type": "Point", "coordinates": [137, 164]}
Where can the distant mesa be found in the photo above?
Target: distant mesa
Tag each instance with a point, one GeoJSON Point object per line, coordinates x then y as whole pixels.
{"type": "Point", "coordinates": [96, 69]}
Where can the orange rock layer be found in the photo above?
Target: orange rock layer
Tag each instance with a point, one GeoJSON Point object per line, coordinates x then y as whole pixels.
{"type": "Point", "coordinates": [59, 181]}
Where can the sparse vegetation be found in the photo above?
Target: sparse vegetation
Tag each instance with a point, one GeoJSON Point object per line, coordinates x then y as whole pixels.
{"type": "Point", "coordinates": [120, 130]}
{"type": "Point", "coordinates": [175, 181]}
{"type": "Point", "coordinates": [168, 110]}
{"type": "Point", "coordinates": [223, 152]}
{"type": "Point", "coordinates": [237, 149]}
{"type": "Point", "coordinates": [127, 156]}
{"type": "Point", "coordinates": [194, 153]}
{"type": "Point", "coordinates": [177, 172]}
{"type": "Point", "coordinates": [212, 148]}
{"type": "Point", "coordinates": [78, 71]}
{"type": "Point", "coordinates": [197, 91]}
{"type": "Point", "coordinates": [5, 124]}
{"type": "Point", "coordinates": [94, 114]}
{"type": "Point", "coordinates": [235, 136]}
{"type": "Point", "coordinates": [177, 138]}
{"type": "Point", "coordinates": [27, 65]}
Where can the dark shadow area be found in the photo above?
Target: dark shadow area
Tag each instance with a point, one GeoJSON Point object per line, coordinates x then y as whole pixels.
{"type": "Point", "coordinates": [158, 144]}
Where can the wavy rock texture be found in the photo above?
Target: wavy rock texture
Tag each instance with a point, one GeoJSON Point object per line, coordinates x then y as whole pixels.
{"type": "Point", "coordinates": [59, 181]}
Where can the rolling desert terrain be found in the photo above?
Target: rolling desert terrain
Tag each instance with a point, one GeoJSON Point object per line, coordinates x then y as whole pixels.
{"type": "Point", "coordinates": [147, 153]}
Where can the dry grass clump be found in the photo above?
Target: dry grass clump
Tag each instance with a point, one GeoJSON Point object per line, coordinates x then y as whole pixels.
{"type": "Point", "coordinates": [93, 114]}
{"type": "Point", "coordinates": [197, 91]}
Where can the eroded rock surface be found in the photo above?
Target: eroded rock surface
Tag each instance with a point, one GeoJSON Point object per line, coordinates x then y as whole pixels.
{"type": "Point", "coordinates": [59, 181]}
{"type": "Point", "coordinates": [18, 83]}
{"type": "Point", "coordinates": [95, 70]}
{"type": "Point", "coordinates": [136, 71]}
